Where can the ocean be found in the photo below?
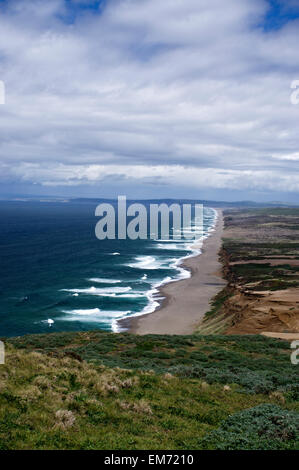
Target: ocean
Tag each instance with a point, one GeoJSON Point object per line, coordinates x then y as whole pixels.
{"type": "Point", "coordinates": [55, 275]}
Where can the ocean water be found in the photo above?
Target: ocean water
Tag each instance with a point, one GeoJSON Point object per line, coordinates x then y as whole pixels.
{"type": "Point", "coordinates": [55, 275]}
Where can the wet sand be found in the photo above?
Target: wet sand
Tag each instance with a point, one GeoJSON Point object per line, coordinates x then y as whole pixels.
{"type": "Point", "coordinates": [185, 302]}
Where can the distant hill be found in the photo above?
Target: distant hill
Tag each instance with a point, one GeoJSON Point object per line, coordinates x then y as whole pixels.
{"type": "Point", "coordinates": [206, 202]}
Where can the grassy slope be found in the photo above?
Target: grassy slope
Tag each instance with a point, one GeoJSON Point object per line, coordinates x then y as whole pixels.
{"type": "Point", "coordinates": [98, 390]}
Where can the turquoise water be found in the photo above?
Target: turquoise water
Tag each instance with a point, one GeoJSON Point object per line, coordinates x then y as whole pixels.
{"type": "Point", "coordinates": [55, 275]}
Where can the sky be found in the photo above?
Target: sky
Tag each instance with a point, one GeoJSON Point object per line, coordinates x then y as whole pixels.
{"type": "Point", "coordinates": [150, 98]}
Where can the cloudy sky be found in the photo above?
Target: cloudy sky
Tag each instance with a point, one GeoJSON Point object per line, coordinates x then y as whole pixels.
{"type": "Point", "coordinates": [150, 98]}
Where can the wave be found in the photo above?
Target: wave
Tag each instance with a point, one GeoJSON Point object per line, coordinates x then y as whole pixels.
{"type": "Point", "coordinates": [148, 262]}
{"type": "Point", "coordinates": [174, 240]}
{"type": "Point", "coordinates": [158, 262]}
{"type": "Point", "coordinates": [49, 322]}
{"type": "Point", "coordinates": [121, 296]}
{"type": "Point", "coordinates": [99, 291]}
{"type": "Point", "coordinates": [92, 315]}
{"type": "Point", "coordinates": [131, 296]}
{"type": "Point", "coordinates": [172, 246]}
{"type": "Point", "coordinates": [89, 311]}
{"type": "Point", "coordinates": [153, 296]}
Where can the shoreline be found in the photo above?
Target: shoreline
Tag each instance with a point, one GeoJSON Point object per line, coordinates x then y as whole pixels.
{"type": "Point", "coordinates": [191, 296]}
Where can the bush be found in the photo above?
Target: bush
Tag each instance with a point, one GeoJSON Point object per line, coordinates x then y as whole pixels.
{"type": "Point", "coordinates": [263, 427]}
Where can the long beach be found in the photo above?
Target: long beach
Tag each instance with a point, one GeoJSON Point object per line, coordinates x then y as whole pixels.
{"type": "Point", "coordinates": [186, 301]}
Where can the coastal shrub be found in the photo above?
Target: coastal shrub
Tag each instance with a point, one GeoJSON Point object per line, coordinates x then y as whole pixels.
{"type": "Point", "coordinates": [263, 427]}
{"type": "Point", "coordinates": [292, 391]}
{"type": "Point", "coordinates": [254, 362]}
{"type": "Point", "coordinates": [252, 381]}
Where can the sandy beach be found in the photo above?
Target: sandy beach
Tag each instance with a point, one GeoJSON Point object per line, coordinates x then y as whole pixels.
{"type": "Point", "coordinates": [186, 301]}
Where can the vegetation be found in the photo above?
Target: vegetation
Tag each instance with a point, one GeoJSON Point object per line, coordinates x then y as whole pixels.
{"type": "Point", "coordinates": [98, 390]}
{"type": "Point", "coordinates": [257, 234]}
{"type": "Point", "coordinates": [260, 254]}
{"type": "Point", "coordinates": [266, 427]}
{"type": "Point", "coordinates": [217, 302]}
{"type": "Point", "coordinates": [268, 277]}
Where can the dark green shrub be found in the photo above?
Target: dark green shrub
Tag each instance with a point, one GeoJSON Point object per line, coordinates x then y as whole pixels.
{"type": "Point", "coordinates": [264, 427]}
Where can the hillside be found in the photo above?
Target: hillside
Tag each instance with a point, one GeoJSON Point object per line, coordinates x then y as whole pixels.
{"type": "Point", "coordinates": [260, 257]}
{"type": "Point", "coordinates": [98, 390]}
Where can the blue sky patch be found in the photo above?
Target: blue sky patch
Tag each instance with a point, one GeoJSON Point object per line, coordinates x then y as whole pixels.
{"type": "Point", "coordinates": [280, 13]}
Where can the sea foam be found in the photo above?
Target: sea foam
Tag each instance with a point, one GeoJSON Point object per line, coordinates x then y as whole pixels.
{"type": "Point", "coordinates": [93, 315]}
{"type": "Point", "coordinates": [99, 291]}
{"type": "Point", "coordinates": [148, 262]}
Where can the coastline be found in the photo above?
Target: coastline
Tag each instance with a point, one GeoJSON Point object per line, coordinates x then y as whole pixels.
{"type": "Point", "coordinates": [185, 301]}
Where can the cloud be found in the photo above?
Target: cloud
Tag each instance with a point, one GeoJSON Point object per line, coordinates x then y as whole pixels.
{"type": "Point", "coordinates": [178, 92]}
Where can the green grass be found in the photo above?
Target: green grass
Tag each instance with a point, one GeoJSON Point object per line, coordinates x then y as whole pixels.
{"type": "Point", "coordinates": [217, 303]}
{"type": "Point", "coordinates": [98, 390]}
{"type": "Point", "coordinates": [242, 250]}
{"type": "Point", "coordinates": [269, 277]}
{"type": "Point", "coordinates": [214, 358]}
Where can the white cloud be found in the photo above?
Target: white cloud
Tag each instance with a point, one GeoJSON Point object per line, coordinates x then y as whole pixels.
{"type": "Point", "coordinates": [291, 157]}
{"type": "Point", "coordinates": [175, 175]}
{"type": "Point", "coordinates": [178, 92]}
